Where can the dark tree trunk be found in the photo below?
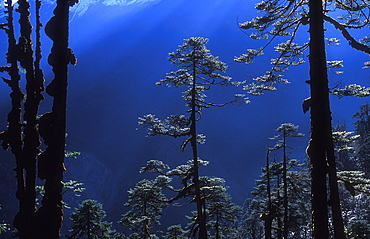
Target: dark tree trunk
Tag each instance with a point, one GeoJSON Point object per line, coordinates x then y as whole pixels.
{"type": "Point", "coordinates": [280, 224]}
{"type": "Point", "coordinates": [320, 149]}
{"type": "Point", "coordinates": [34, 96]}
{"type": "Point", "coordinates": [51, 161]}
{"type": "Point", "coordinates": [193, 140]}
{"type": "Point", "coordinates": [13, 136]}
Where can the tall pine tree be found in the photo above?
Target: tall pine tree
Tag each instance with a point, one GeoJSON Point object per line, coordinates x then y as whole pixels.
{"type": "Point", "coordinates": [199, 71]}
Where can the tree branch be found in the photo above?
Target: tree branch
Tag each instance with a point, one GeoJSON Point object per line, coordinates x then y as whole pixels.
{"type": "Point", "coordinates": [352, 42]}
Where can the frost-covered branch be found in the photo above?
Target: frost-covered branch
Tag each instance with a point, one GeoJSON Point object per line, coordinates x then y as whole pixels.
{"type": "Point", "coordinates": [352, 42]}
{"type": "Point", "coordinates": [352, 90]}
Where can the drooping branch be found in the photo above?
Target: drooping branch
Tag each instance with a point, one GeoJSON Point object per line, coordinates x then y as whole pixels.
{"type": "Point", "coordinates": [352, 42]}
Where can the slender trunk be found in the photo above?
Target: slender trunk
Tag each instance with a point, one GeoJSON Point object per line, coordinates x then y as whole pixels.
{"type": "Point", "coordinates": [193, 135]}
{"type": "Point", "coordinates": [280, 225]}
{"type": "Point", "coordinates": [285, 181]}
{"type": "Point", "coordinates": [320, 150]}
{"type": "Point", "coordinates": [13, 136]}
{"type": "Point", "coordinates": [334, 192]}
{"type": "Point", "coordinates": [31, 137]}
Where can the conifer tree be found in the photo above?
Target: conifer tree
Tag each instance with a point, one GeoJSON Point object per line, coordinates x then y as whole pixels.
{"type": "Point", "coordinates": [362, 127]}
{"type": "Point", "coordinates": [199, 70]}
{"type": "Point", "coordinates": [298, 205]}
{"type": "Point", "coordinates": [283, 18]}
{"type": "Point", "coordinates": [344, 142]}
{"type": "Point", "coordinates": [221, 212]}
{"type": "Point", "coordinates": [88, 224]}
{"type": "Point", "coordinates": [146, 201]}
{"type": "Point", "coordinates": [175, 232]}
{"type": "Point", "coordinates": [286, 130]}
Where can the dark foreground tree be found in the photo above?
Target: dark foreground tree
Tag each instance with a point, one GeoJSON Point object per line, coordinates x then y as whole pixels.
{"type": "Point", "coordinates": [23, 131]}
{"type": "Point", "coordinates": [23, 138]}
{"type": "Point", "coordinates": [88, 224]}
{"type": "Point", "coordinates": [52, 126]}
{"type": "Point", "coordinates": [283, 18]}
{"type": "Point", "coordinates": [199, 70]}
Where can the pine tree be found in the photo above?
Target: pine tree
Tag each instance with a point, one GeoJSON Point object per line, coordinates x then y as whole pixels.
{"type": "Point", "coordinates": [221, 213]}
{"type": "Point", "coordinates": [344, 142]}
{"type": "Point", "coordinates": [286, 130]}
{"type": "Point", "coordinates": [175, 232]}
{"type": "Point", "coordinates": [88, 224]}
{"type": "Point", "coordinates": [283, 18]}
{"type": "Point", "coordinates": [199, 70]}
{"type": "Point", "coordinates": [251, 226]}
{"type": "Point", "coordinates": [259, 210]}
{"type": "Point", "coordinates": [362, 127]}
{"type": "Point", "coordinates": [146, 201]}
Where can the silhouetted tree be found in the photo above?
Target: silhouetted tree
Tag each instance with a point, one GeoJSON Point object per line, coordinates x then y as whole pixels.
{"type": "Point", "coordinates": [24, 142]}
{"type": "Point", "coordinates": [22, 134]}
{"type": "Point", "coordinates": [52, 126]}
{"type": "Point", "coordinates": [283, 18]}
{"type": "Point", "coordinates": [13, 135]}
{"type": "Point", "coordinates": [198, 72]}
{"type": "Point", "coordinates": [88, 224]}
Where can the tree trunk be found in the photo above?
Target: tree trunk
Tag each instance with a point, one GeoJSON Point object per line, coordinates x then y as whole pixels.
{"type": "Point", "coordinates": [268, 222]}
{"type": "Point", "coordinates": [285, 181]}
{"type": "Point", "coordinates": [280, 224]}
{"type": "Point", "coordinates": [31, 106]}
{"type": "Point", "coordinates": [13, 136]}
{"type": "Point", "coordinates": [193, 140]}
{"type": "Point", "coordinates": [51, 213]}
{"type": "Point", "coordinates": [320, 149]}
